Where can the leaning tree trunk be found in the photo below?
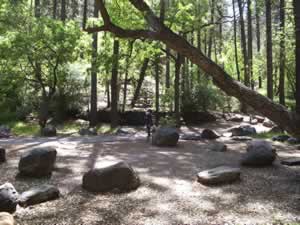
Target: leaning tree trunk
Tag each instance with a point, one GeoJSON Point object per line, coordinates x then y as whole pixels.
{"type": "Point", "coordinates": [290, 121]}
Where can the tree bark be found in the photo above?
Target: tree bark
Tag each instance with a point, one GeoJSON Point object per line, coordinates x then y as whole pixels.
{"type": "Point", "coordinates": [282, 54]}
{"type": "Point", "coordinates": [235, 42]}
{"type": "Point", "coordinates": [140, 82]}
{"type": "Point", "coordinates": [269, 50]}
{"type": "Point", "coordinates": [257, 25]}
{"type": "Point", "coordinates": [130, 47]}
{"type": "Point", "coordinates": [289, 121]}
{"type": "Point", "coordinates": [156, 67]}
{"type": "Point", "coordinates": [94, 69]}
{"type": "Point", "coordinates": [244, 44]}
{"type": "Point", "coordinates": [85, 9]}
{"type": "Point", "coordinates": [211, 29]}
{"type": "Point", "coordinates": [37, 8]}
{"type": "Point", "coordinates": [297, 50]}
{"type": "Point", "coordinates": [54, 9]}
{"type": "Point", "coordinates": [167, 68]}
{"type": "Point", "coordinates": [177, 90]}
{"type": "Point", "coordinates": [114, 86]}
{"type": "Point", "coordinates": [63, 14]}
{"type": "Point", "coordinates": [250, 50]}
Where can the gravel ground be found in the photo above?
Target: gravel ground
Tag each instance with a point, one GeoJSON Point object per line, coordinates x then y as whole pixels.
{"type": "Point", "coordinates": [169, 194]}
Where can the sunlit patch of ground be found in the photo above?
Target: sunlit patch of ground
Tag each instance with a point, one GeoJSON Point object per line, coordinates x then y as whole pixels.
{"type": "Point", "coordinates": [169, 193]}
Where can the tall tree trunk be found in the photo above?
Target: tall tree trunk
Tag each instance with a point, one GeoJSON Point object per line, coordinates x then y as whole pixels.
{"type": "Point", "coordinates": [297, 31]}
{"type": "Point", "coordinates": [85, 9]}
{"type": "Point", "coordinates": [130, 47]}
{"type": "Point", "coordinates": [211, 29]}
{"type": "Point", "coordinates": [108, 93]}
{"type": "Point", "coordinates": [156, 67]}
{"type": "Point", "coordinates": [63, 14]}
{"type": "Point", "coordinates": [167, 68]}
{"type": "Point", "coordinates": [140, 82]}
{"type": "Point", "coordinates": [177, 90]}
{"type": "Point", "coordinates": [269, 50]}
{"type": "Point", "coordinates": [235, 42]}
{"type": "Point", "coordinates": [54, 9]}
{"type": "Point", "coordinates": [244, 44]}
{"type": "Point", "coordinates": [250, 49]}
{"type": "Point", "coordinates": [114, 85]}
{"type": "Point", "coordinates": [94, 66]}
{"type": "Point", "coordinates": [37, 8]}
{"type": "Point", "coordinates": [257, 12]}
{"type": "Point", "coordinates": [282, 54]}
{"type": "Point", "coordinates": [199, 47]}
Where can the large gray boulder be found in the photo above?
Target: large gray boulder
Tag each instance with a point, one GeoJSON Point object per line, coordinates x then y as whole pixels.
{"type": "Point", "coordinates": [38, 195]}
{"type": "Point", "coordinates": [8, 198]}
{"type": "Point", "coordinates": [219, 175]}
{"type": "Point", "coordinates": [209, 134]}
{"type": "Point", "coordinates": [119, 177]}
{"type": "Point", "coordinates": [7, 219]}
{"type": "Point", "coordinates": [38, 162]}
{"type": "Point", "coordinates": [2, 155]}
{"type": "Point", "coordinates": [49, 131]}
{"type": "Point", "coordinates": [242, 130]}
{"type": "Point", "coordinates": [165, 136]}
{"type": "Point", "coordinates": [259, 153]}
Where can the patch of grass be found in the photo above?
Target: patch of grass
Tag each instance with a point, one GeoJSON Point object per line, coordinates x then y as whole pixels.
{"type": "Point", "coordinates": [21, 128]}
{"type": "Point", "coordinates": [266, 135]}
{"type": "Point", "coordinates": [69, 127]}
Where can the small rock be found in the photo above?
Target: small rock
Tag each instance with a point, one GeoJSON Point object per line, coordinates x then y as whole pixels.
{"type": "Point", "coordinates": [259, 153]}
{"type": "Point", "coordinates": [291, 162]}
{"type": "Point", "coordinates": [121, 132]}
{"type": "Point", "coordinates": [7, 219]}
{"type": "Point", "coordinates": [38, 162]}
{"type": "Point", "coordinates": [2, 155]}
{"type": "Point", "coordinates": [236, 118]}
{"type": "Point", "coordinates": [259, 119]}
{"type": "Point", "coordinates": [49, 131]}
{"type": "Point", "coordinates": [8, 198]}
{"type": "Point", "coordinates": [82, 122]}
{"type": "Point", "coordinates": [293, 141]}
{"type": "Point", "coordinates": [4, 131]}
{"type": "Point", "coordinates": [253, 121]}
{"type": "Point", "coordinates": [281, 138]}
{"type": "Point", "coordinates": [88, 131]}
{"type": "Point", "coordinates": [191, 137]}
{"type": "Point", "coordinates": [165, 136]}
{"type": "Point", "coordinates": [209, 134]}
{"type": "Point", "coordinates": [38, 195]}
{"type": "Point", "coordinates": [120, 177]}
{"type": "Point", "coordinates": [219, 175]}
{"type": "Point", "coordinates": [218, 147]}
{"type": "Point", "coordinates": [242, 130]}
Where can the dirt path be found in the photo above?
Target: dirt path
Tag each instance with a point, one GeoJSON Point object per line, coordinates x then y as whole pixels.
{"type": "Point", "coordinates": [169, 193]}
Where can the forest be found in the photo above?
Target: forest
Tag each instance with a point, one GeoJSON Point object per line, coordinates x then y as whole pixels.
{"type": "Point", "coordinates": [194, 85]}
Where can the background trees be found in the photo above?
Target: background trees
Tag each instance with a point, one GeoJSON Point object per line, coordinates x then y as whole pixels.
{"type": "Point", "coordinates": [40, 61]}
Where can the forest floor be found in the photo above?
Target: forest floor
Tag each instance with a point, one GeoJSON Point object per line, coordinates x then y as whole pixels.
{"type": "Point", "coordinates": [169, 193]}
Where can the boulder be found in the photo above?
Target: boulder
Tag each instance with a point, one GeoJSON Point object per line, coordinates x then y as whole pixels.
{"type": "Point", "coordinates": [281, 138]}
{"type": "Point", "coordinates": [219, 175]}
{"type": "Point", "coordinates": [88, 131]}
{"type": "Point", "coordinates": [118, 177]}
{"type": "Point", "coordinates": [48, 131]}
{"type": "Point", "coordinates": [165, 136]}
{"type": "Point", "coordinates": [242, 130]}
{"type": "Point", "coordinates": [8, 198]}
{"type": "Point", "coordinates": [268, 123]}
{"type": "Point", "coordinates": [2, 155]}
{"type": "Point", "coordinates": [291, 162]}
{"type": "Point", "coordinates": [241, 138]}
{"type": "Point", "coordinates": [38, 162]}
{"type": "Point", "coordinates": [7, 219]}
{"type": "Point", "coordinates": [4, 131]}
{"type": "Point", "coordinates": [218, 147]}
{"type": "Point", "coordinates": [293, 141]}
{"type": "Point", "coordinates": [276, 129]}
{"type": "Point", "coordinates": [38, 195]}
{"type": "Point", "coordinates": [259, 153]}
{"type": "Point", "coordinates": [191, 137]}
{"type": "Point", "coordinates": [209, 134]}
